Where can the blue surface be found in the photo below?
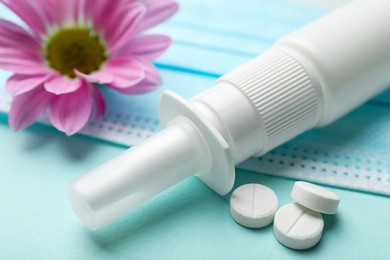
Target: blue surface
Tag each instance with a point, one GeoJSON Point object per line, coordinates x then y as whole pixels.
{"type": "Point", "coordinates": [188, 221]}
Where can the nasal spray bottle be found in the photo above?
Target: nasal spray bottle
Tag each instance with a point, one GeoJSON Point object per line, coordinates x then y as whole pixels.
{"type": "Point", "coordinates": [308, 79]}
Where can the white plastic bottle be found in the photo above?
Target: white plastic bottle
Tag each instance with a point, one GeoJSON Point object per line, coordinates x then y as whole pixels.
{"type": "Point", "coordinates": [308, 79]}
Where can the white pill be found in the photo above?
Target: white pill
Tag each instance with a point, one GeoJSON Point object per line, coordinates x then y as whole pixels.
{"type": "Point", "coordinates": [253, 205]}
{"type": "Point", "coordinates": [315, 197]}
{"type": "Point", "coordinates": [298, 227]}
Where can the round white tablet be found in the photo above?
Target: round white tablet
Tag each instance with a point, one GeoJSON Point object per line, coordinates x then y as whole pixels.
{"type": "Point", "coordinates": [297, 227]}
{"type": "Point", "coordinates": [253, 205]}
{"type": "Point", "coordinates": [315, 197]}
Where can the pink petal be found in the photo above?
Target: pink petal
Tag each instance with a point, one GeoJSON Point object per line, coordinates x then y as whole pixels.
{"type": "Point", "coordinates": [99, 77]}
{"type": "Point", "coordinates": [71, 8]}
{"type": "Point", "coordinates": [55, 11]}
{"type": "Point", "coordinates": [19, 84]}
{"type": "Point", "coordinates": [102, 10]}
{"type": "Point", "coordinates": [157, 12]}
{"type": "Point", "coordinates": [125, 71]}
{"type": "Point", "coordinates": [26, 68]}
{"type": "Point", "coordinates": [86, 9]}
{"type": "Point", "coordinates": [27, 107]}
{"type": "Point", "coordinates": [151, 81]}
{"type": "Point", "coordinates": [68, 11]}
{"type": "Point", "coordinates": [59, 13]}
{"type": "Point", "coordinates": [7, 26]}
{"type": "Point", "coordinates": [62, 85]}
{"type": "Point", "coordinates": [149, 47]}
{"type": "Point", "coordinates": [80, 9]}
{"type": "Point", "coordinates": [14, 53]}
{"type": "Point", "coordinates": [50, 11]}
{"type": "Point", "coordinates": [70, 112]}
{"type": "Point", "coordinates": [99, 103]}
{"type": "Point", "coordinates": [22, 62]}
{"type": "Point", "coordinates": [12, 35]}
{"type": "Point", "coordinates": [30, 12]}
{"type": "Point", "coordinates": [122, 26]}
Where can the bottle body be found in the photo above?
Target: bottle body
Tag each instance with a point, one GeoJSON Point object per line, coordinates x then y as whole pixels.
{"type": "Point", "coordinates": [311, 77]}
{"type": "Point", "coordinates": [308, 79]}
{"type": "Point", "coordinates": [347, 53]}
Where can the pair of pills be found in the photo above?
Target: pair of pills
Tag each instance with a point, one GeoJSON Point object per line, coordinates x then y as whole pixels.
{"type": "Point", "coordinates": [298, 225]}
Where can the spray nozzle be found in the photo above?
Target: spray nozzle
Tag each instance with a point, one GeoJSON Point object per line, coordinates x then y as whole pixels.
{"type": "Point", "coordinates": [189, 145]}
{"type": "Point", "coordinates": [249, 111]}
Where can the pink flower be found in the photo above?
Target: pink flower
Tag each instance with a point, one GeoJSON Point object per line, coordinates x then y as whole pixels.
{"type": "Point", "coordinates": [74, 46]}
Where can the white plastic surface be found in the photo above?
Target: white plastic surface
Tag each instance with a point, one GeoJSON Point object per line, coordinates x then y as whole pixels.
{"type": "Point", "coordinates": [310, 78]}
{"type": "Point", "coordinates": [297, 227]}
{"type": "Point", "coordinates": [188, 146]}
{"type": "Point", "coordinates": [227, 108]}
{"type": "Point", "coordinates": [253, 205]}
{"type": "Point", "coordinates": [315, 197]}
{"type": "Point", "coordinates": [139, 173]}
{"type": "Point", "coordinates": [347, 53]}
{"type": "Point", "coordinates": [220, 175]}
{"type": "Point", "coordinates": [285, 98]}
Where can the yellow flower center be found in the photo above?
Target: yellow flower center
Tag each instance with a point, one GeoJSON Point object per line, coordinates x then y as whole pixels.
{"type": "Point", "coordinates": [75, 48]}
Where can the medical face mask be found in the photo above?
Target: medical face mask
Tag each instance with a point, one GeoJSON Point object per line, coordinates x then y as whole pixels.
{"type": "Point", "coordinates": [350, 153]}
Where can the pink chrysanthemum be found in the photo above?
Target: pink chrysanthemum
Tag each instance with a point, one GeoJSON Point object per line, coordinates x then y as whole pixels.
{"type": "Point", "coordinates": [71, 47]}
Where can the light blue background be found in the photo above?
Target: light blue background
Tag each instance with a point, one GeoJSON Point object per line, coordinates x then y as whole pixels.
{"type": "Point", "coordinates": [188, 221]}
